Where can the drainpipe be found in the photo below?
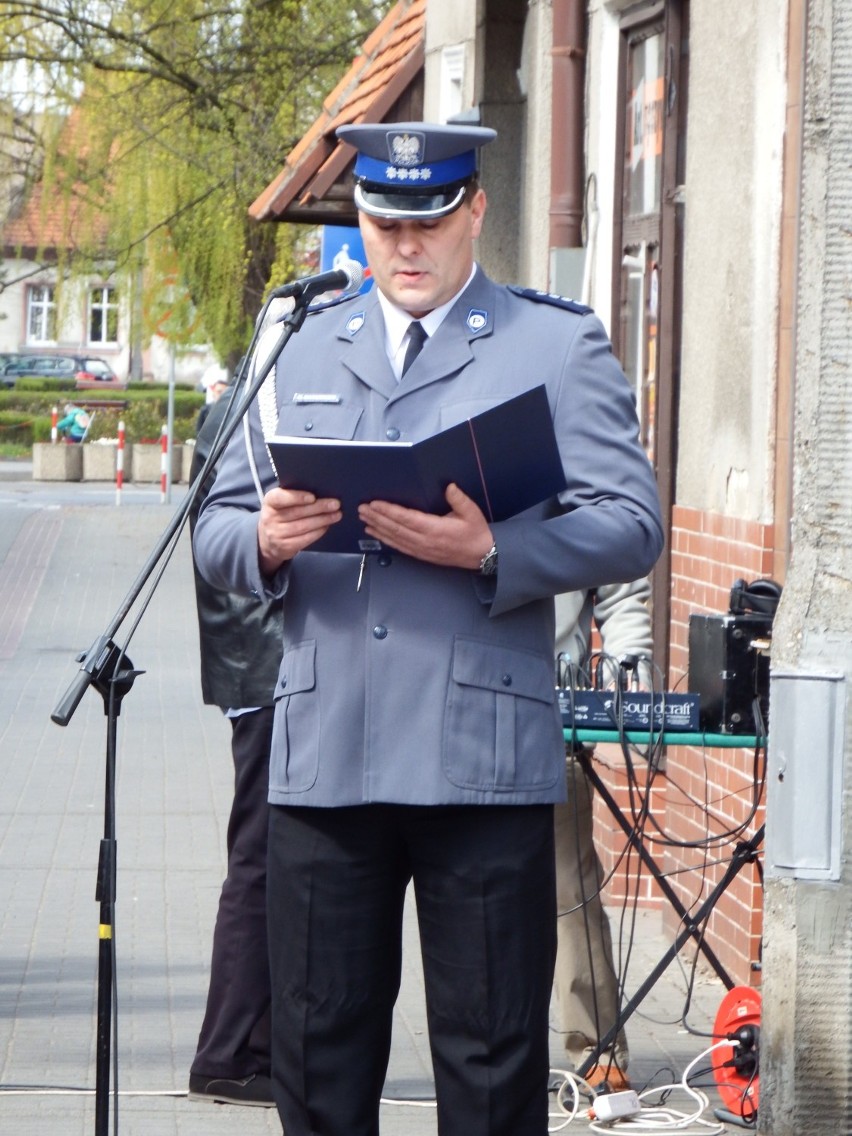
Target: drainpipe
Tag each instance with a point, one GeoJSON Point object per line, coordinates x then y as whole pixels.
{"type": "Point", "coordinates": [566, 146]}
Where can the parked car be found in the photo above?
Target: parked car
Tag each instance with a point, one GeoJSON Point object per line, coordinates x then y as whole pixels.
{"type": "Point", "coordinates": [95, 374]}
{"type": "Point", "coordinates": [89, 372]}
{"type": "Point", "coordinates": [8, 360]}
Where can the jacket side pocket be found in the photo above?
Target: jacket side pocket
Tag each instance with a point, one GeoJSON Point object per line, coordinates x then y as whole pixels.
{"type": "Point", "coordinates": [500, 730]}
{"type": "Point", "coordinates": [294, 760]}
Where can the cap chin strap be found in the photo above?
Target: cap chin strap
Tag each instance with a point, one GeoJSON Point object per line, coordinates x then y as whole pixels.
{"type": "Point", "coordinates": [369, 203]}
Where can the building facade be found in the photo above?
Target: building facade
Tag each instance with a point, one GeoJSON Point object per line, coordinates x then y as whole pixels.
{"type": "Point", "coordinates": [652, 186]}
{"type": "Point", "coordinates": [47, 309]}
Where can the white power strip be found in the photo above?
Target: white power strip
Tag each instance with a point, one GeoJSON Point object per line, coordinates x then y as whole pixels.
{"type": "Point", "coordinates": [615, 1106]}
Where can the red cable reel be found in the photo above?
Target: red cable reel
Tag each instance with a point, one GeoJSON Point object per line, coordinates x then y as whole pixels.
{"type": "Point", "coordinates": [737, 1065]}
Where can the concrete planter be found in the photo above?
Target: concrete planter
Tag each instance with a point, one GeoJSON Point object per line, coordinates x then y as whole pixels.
{"type": "Point", "coordinates": [146, 461]}
{"type": "Point", "coordinates": [186, 461]}
{"type": "Point", "coordinates": [57, 461]}
{"type": "Point", "coordinates": [99, 460]}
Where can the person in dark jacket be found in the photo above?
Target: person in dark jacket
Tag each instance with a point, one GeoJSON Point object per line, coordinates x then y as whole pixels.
{"type": "Point", "coordinates": [240, 641]}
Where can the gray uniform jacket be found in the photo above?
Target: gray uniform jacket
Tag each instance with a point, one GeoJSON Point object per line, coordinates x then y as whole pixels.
{"type": "Point", "coordinates": [435, 685]}
{"type": "Point", "coordinates": [620, 612]}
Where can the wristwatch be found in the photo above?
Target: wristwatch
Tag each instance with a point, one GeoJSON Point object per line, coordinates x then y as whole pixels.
{"type": "Point", "coordinates": [488, 563]}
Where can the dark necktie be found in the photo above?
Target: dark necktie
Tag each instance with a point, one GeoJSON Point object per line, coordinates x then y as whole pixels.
{"type": "Point", "coordinates": [416, 338]}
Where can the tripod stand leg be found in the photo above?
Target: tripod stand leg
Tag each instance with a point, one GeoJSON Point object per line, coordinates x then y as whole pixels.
{"type": "Point", "coordinates": [113, 679]}
{"type": "Point", "coordinates": [744, 853]}
{"type": "Point", "coordinates": [105, 895]}
{"type": "Point", "coordinates": [692, 925]}
{"type": "Point", "coordinates": [104, 1024]}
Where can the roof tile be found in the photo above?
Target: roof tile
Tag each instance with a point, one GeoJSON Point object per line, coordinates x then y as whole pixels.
{"type": "Point", "coordinates": [389, 58]}
{"type": "Point", "coordinates": [55, 216]}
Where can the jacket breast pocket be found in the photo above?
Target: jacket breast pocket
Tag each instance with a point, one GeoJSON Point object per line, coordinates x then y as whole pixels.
{"type": "Point", "coordinates": [500, 732]}
{"type": "Point", "coordinates": [294, 759]}
{"type": "Point", "coordinates": [319, 420]}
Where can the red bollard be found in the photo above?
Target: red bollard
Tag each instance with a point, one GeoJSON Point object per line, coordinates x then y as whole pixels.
{"type": "Point", "coordinates": [164, 457]}
{"type": "Point", "coordinates": [119, 463]}
{"type": "Point", "coordinates": [54, 418]}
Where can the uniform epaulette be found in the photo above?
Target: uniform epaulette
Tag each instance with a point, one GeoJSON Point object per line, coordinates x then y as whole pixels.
{"type": "Point", "coordinates": [551, 298]}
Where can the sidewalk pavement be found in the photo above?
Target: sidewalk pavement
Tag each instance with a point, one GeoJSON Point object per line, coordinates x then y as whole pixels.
{"type": "Point", "coordinates": [68, 558]}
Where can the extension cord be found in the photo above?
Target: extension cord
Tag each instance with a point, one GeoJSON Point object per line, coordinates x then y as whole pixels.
{"type": "Point", "coordinates": [615, 1106]}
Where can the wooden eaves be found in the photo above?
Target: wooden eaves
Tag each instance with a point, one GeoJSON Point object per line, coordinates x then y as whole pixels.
{"type": "Point", "coordinates": [384, 83]}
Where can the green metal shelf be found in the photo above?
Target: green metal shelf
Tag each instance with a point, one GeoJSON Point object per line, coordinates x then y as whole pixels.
{"type": "Point", "coordinates": [645, 737]}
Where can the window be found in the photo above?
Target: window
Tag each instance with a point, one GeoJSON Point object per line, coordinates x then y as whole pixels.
{"type": "Point", "coordinates": [452, 78]}
{"type": "Point", "coordinates": [103, 315]}
{"type": "Point", "coordinates": [648, 242]}
{"type": "Point", "coordinates": [640, 219]}
{"type": "Point", "coordinates": [41, 314]}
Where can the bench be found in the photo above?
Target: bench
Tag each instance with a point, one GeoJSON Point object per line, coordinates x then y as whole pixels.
{"type": "Point", "coordinates": [101, 403]}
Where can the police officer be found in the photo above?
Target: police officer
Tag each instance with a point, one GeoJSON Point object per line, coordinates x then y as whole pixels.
{"type": "Point", "coordinates": [417, 736]}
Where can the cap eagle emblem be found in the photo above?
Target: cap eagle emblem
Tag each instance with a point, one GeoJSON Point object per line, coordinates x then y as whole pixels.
{"type": "Point", "coordinates": [406, 149]}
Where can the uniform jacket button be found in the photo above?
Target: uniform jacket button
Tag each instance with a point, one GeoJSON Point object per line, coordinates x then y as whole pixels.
{"type": "Point", "coordinates": [506, 680]}
{"type": "Point", "coordinates": [380, 631]}
{"type": "Point", "coordinates": [385, 559]}
{"type": "Point", "coordinates": [392, 434]}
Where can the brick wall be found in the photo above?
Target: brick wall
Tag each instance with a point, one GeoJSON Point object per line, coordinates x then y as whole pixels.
{"type": "Point", "coordinates": [704, 795]}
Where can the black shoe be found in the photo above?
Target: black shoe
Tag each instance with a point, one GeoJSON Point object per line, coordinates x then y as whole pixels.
{"type": "Point", "coordinates": [256, 1089]}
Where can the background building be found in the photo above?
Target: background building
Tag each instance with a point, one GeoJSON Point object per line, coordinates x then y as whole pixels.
{"type": "Point", "coordinates": [49, 304]}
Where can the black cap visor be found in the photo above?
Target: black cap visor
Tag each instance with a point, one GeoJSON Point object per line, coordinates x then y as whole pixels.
{"type": "Point", "coordinates": [377, 202]}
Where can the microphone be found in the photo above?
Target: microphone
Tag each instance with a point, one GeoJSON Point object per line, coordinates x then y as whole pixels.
{"type": "Point", "coordinates": [348, 277]}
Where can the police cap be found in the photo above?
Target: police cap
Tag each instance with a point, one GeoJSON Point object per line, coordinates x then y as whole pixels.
{"type": "Point", "coordinates": [413, 170]}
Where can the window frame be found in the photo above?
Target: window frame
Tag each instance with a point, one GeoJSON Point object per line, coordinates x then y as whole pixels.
{"type": "Point", "coordinates": [107, 305]}
{"type": "Point", "coordinates": [43, 309]}
{"type": "Point", "coordinates": [452, 75]}
{"type": "Point", "coordinates": [666, 228]}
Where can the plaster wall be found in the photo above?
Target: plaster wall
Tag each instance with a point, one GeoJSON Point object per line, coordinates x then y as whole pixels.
{"type": "Point", "coordinates": [450, 23]}
{"type": "Point", "coordinates": [12, 313]}
{"type": "Point", "coordinates": [448, 26]}
{"type": "Point", "coordinates": [516, 171]}
{"type": "Point", "coordinates": [735, 139]}
{"type": "Point", "coordinates": [806, 1024]}
{"type": "Point", "coordinates": [489, 30]}
{"type": "Point", "coordinates": [535, 82]}
{"type": "Point", "coordinates": [602, 120]}
{"type": "Point", "coordinates": [192, 365]}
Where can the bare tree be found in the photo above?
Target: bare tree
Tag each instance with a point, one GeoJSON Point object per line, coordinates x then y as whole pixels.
{"type": "Point", "coordinates": [185, 112]}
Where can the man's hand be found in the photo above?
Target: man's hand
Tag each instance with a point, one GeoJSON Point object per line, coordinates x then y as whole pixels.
{"type": "Point", "coordinates": [290, 520]}
{"type": "Point", "coordinates": [458, 539]}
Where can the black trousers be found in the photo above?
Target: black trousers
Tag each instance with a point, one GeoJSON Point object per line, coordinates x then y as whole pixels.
{"type": "Point", "coordinates": [235, 1035]}
{"type": "Point", "coordinates": [484, 887]}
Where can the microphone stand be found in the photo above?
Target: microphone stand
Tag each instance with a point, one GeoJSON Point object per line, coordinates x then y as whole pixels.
{"type": "Point", "coordinates": [107, 667]}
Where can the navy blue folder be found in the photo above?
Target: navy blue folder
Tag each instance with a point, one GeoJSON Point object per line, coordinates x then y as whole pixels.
{"type": "Point", "coordinates": [505, 458]}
